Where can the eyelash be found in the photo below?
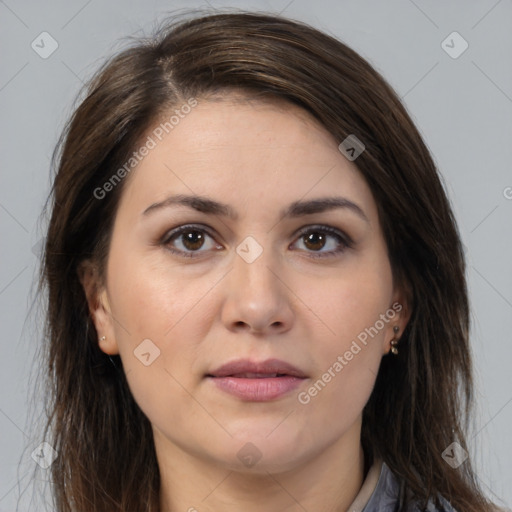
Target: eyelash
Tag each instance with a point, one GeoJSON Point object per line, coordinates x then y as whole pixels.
{"type": "Point", "coordinates": [344, 240]}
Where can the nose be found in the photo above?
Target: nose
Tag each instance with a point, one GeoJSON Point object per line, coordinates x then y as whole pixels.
{"type": "Point", "coordinates": [257, 301]}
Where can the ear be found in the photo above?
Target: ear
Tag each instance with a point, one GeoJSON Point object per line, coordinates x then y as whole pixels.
{"type": "Point", "coordinates": [401, 306]}
{"type": "Point", "coordinates": [99, 307]}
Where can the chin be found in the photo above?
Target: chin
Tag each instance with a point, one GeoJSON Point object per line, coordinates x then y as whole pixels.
{"type": "Point", "coordinates": [255, 451]}
{"type": "Point", "coordinates": [261, 462]}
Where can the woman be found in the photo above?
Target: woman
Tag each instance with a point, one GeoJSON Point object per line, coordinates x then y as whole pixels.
{"type": "Point", "coordinates": [256, 286]}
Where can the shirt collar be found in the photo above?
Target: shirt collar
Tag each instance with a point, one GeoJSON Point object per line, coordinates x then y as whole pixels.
{"type": "Point", "coordinates": [368, 487]}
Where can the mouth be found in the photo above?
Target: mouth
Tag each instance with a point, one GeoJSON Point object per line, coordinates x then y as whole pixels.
{"type": "Point", "coordinates": [257, 381]}
{"type": "Point", "coordinates": [249, 375]}
{"type": "Point", "coordinates": [245, 368]}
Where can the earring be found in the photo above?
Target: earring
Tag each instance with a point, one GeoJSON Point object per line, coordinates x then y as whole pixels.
{"type": "Point", "coordinates": [394, 341]}
{"type": "Point", "coordinates": [103, 338]}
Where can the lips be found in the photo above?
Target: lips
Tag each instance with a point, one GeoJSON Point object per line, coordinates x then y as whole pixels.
{"type": "Point", "coordinates": [249, 375]}
{"type": "Point", "coordinates": [252, 381]}
{"type": "Point", "coordinates": [247, 369]}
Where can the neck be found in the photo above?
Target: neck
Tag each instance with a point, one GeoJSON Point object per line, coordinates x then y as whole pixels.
{"type": "Point", "coordinates": [327, 482]}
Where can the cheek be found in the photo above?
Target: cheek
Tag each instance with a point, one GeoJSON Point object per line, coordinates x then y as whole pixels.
{"type": "Point", "coordinates": [347, 358]}
{"type": "Point", "coordinates": [152, 296]}
{"type": "Point", "coordinates": [151, 302]}
{"type": "Point", "coordinates": [352, 300]}
{"type": "Point", "coordinates": [354, 310]}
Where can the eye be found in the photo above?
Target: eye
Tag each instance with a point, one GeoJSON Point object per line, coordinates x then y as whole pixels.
{"type": "Point", "coordinates": [316, 238]}
{"type": "Point", "coordinates": [187, 240]}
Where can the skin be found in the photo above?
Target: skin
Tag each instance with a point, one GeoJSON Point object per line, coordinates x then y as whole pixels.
{"type": "Point", "coordinates": [205, 311]}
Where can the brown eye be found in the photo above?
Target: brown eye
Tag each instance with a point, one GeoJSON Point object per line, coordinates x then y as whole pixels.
{"type": "Point", "coordinates": [192, 240]}
{"type": "Point", "coordinates": [314, 241]}
{"type": "Point", "coordinates": [189, 241]}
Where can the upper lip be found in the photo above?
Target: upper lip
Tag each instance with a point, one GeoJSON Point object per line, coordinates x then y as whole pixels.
{"type": "Point", "coordinates": [270, 366]}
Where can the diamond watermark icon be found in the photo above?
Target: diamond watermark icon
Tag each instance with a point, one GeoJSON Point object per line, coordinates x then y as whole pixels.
{"type": "Point", "coordinates": [249, 249]}
{"type": "Point", "coordinates": [44, 455]}
{"type": "Point", "coordinates": [455, 455]}
{"type": "Point", "coordinates": [454, 45]}
{"type": "Point", "coordinates": [249, 454]}
{"type": "Point", "coordinates": [38, 247]}
{"type": "Point", "coordinates": [146, 352]}
{"type": "Point", "coordinates": [44, 45]}
{"type": "Point", "coordinates": [351, 147]}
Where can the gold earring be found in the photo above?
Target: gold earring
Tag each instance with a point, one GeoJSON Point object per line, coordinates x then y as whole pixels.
{"type": "Point", "coordinates": [394, 341]}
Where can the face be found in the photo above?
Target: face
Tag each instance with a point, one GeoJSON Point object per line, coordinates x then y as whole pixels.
{"type": "Point", "coordinates": [263, 268]}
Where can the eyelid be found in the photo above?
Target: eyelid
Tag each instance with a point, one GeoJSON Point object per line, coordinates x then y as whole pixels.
{"type": "Point", "coordinates": [183, 227]}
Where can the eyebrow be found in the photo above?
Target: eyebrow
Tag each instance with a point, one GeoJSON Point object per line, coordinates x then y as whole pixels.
{"type": "Point", "coordinates": [296, 209]}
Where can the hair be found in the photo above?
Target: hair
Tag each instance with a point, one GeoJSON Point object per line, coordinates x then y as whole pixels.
{"type": "Point", "coordinates": [423, 398]}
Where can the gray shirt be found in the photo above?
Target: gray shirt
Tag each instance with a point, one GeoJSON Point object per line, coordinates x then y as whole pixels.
{"type": "Point", "coordinates": [380, 491]}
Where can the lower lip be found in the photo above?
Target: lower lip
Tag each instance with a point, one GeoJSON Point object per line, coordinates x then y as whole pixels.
{"type": "Point", "coordinates": [258, 390]}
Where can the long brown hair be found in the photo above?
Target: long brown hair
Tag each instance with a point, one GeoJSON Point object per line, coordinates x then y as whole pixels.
{"type": "Point", "coordinates": [422, 399]}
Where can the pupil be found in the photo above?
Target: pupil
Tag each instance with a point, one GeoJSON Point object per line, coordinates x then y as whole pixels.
{"type": "Point", "coordinates": [193, 240]}
{"type": "Point", "coordinates": [316, 239]}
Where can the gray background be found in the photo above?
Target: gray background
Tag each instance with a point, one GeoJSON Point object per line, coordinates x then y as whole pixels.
{"type": "Point", "coordinates": [462, 106]}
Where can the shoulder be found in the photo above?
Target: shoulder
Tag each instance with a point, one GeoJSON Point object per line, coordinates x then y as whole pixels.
{"type": "Point", "coordinates": [386, 495]}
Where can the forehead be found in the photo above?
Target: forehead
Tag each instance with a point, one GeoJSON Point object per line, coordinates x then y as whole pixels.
{"type": "Point", "coordinates": [240, 148]}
